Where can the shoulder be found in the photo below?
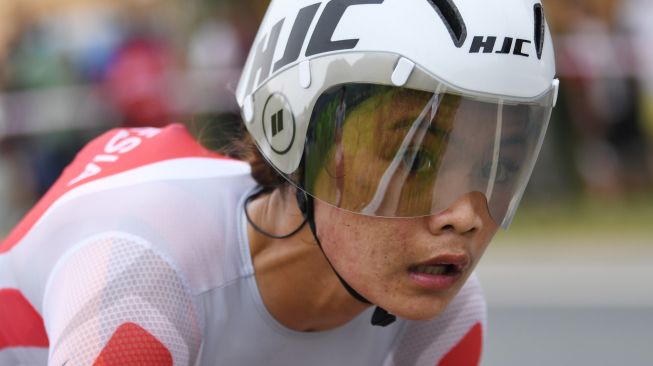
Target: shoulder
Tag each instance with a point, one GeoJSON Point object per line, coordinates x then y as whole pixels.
{"type": "Point", "coordinates": [122, 150]}
{"type": "Point", "coordinates": [455, 338]}
{"type": "Point", "coordinates": [122, 157]}
{"type": "Point", "coordinates": [116, 287]}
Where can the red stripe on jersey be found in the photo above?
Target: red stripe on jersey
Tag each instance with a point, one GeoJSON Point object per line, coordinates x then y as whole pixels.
{"type": "Point", "coordinates": [114, 152]}
{"type": "Point", "coordinates": [132, 345]}
{"type": "Point", "coordinates": [468, 351]}
{"type": "Point", "coordinates": [20, 324]}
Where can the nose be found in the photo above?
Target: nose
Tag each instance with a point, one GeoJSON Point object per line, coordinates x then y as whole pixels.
{"type": "Point", "coordinates": [468, 214]}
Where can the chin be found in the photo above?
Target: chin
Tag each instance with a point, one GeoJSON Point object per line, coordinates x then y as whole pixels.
{"type": "Point", "coordinates": [426, 309]}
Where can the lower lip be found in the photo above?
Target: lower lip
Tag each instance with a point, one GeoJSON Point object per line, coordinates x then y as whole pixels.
{"type": "Point", "coordinates": [434, 282]}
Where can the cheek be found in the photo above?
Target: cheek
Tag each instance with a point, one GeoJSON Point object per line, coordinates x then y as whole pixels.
{"type": "Point", "coordinates": [354, 247]}
{"type": "Point", "coordinates": [341, 241]}
{"type": "Point", "coordinates": [368, 253]}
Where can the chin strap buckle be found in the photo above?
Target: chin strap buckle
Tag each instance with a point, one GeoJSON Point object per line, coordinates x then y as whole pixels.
{"type": "Point", "coordinates": [382, 318]}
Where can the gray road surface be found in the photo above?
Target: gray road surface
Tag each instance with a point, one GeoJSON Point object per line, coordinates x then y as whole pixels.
{"type": "Point", "coordinates": [589, 304]}
{"type": "Point", "coordinates": [569, 336]}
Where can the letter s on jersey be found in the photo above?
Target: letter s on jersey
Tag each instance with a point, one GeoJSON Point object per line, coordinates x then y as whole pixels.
{"type": "Point", "coordinates": [122, 143]}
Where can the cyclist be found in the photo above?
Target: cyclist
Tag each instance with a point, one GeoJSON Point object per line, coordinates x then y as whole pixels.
{"type": "Point", "coordinates": [389, 140]}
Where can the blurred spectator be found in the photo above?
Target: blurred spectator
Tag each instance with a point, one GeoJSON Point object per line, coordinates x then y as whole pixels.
{"type": "Point", "coordinates": [138, 81]}
{"type": "Point", "coordinates": [16, 186]}
{"type": "Point", "coordinates": [6, 194]}
{"type": "Point", "coordinates": [36, 61]}
{"type": "Point", "coordinates": [214, 45]}
{"type": "Point", "coordinates": [245, 15]}
{"type": "Point", "coordinates": [596, 64]}
{"type": "Point", "coordinates": [637, 16]}
{"type": "Point", "coordinates": [92, 36]}
{"type": "Point", "coordinates": [214, 61]}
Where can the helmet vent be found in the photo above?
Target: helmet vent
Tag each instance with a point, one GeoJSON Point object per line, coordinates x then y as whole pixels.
{"type": "Point", "coordinates": [452, 19]}
{"type": "Point", "coordinates": [539, 29]}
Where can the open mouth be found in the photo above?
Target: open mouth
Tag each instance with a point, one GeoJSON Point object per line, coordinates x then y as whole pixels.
{"type": "Point", "coordinates": [436, 269]}
{"type": "Point", "coordinates": [440, 273]}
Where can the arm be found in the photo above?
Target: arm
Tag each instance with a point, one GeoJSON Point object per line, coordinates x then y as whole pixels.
{"type": "Point", "coordinates": [114, 301]}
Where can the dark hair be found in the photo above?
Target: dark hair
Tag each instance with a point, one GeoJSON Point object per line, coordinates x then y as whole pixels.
{"type": "Point", "coordinates": [226, 135]}
{"type": "Point", "coordinates": [262, 172]}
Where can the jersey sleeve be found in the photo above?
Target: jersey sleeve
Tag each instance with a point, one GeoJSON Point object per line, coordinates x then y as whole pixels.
{"type": "Point", "coordinates": [455, 338]}
{"type": "Point", "coordinates": [113, 300]}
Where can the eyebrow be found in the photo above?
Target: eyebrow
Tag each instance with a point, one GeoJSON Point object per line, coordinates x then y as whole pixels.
{"type": "Point", "coordinates": [433, 129]}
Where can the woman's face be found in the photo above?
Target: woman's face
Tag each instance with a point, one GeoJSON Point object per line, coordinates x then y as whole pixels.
{"type": "Point", "coordinates": [412, 267]}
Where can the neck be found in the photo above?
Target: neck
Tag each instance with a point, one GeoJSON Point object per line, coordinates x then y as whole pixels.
{"type": "Point", "coordinates": [297, 284]}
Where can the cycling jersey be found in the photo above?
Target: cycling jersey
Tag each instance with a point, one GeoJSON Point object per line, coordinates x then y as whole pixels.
{"type": "Point", "coordinates": [139, 255]}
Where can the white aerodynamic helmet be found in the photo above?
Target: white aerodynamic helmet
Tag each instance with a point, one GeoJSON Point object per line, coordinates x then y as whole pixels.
{"type": "Point", "coordinates": [396, 108]}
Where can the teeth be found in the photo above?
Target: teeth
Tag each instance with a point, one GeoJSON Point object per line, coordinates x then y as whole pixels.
{"type": "Point", "coordinates": [432, 270]}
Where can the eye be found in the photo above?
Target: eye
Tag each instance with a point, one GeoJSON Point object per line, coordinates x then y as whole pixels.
{"type": "Point", "coordinates": [418, 161]}
{"type": "Point", "coordinates": [506, 169]}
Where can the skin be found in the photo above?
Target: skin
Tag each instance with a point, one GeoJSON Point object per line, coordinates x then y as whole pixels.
{"type": "Point", "coordinates": [296, 282]}
{"type": "Point", "coordinates": [373, 254]}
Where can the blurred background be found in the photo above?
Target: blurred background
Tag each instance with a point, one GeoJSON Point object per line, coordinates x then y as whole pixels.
{"type": "Point", "coordinates": [571, 283]}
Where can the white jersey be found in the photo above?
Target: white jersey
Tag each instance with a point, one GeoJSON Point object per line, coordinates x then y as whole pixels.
{"type": "Point", "coordinates": [139, 255]}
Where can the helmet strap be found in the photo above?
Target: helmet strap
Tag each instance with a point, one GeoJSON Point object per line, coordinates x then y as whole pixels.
{"type": "Point", "coordinates": [260, 229]}
{"type": "Point", "coordinates": [306, 205]}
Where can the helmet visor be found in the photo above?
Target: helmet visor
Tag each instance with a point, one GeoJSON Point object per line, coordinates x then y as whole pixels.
{"type": "Point", "coordinates": [395, 152]}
